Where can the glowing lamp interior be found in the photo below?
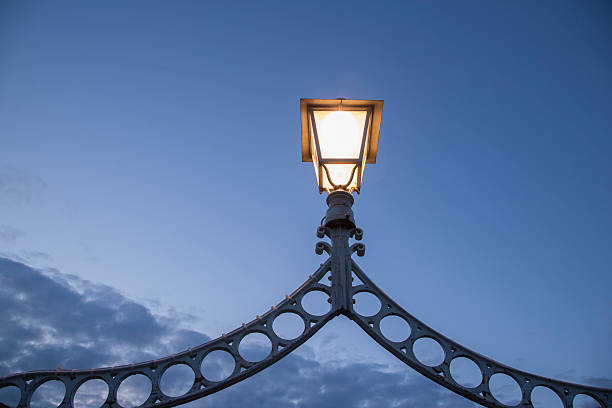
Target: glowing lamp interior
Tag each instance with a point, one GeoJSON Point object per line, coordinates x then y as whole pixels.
{"type": "Point", "coordinates": [340, 133]}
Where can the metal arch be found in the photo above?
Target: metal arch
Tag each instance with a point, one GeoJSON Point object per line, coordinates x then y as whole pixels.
{"type": "Point", "coordinates": [403, 350]}
{"type": "Point", "coordinates": [441, 372]}
{"type": "Point", "coordinates": [28, 382]}
{"type": "Point", "coordinates": [339, 227]}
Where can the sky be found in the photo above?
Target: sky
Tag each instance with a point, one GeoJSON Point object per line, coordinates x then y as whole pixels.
{"type": "Point", "coordinates": [150, 163]}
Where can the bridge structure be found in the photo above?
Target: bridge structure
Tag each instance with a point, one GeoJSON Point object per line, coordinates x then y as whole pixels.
{"type": "Point", "coordinates": [345, 281]}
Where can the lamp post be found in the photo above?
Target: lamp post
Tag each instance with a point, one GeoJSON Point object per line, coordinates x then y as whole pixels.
{"type": "Point", "coordinates": [339, 136]}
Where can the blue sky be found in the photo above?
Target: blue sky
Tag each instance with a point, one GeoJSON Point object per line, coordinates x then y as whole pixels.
{"type": "Point", "coordinates": [152, 149]}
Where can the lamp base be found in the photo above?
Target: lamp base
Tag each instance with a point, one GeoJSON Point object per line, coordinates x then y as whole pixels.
{"type": "Point", "coordinates": [339, 212]}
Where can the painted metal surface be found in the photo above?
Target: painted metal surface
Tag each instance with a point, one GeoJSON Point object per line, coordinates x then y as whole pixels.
{"type": "Point", "coordinates": [341, 291]}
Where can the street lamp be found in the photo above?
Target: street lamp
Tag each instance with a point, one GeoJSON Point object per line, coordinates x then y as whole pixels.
{"type": "Point", "coordinates": [339, 136]}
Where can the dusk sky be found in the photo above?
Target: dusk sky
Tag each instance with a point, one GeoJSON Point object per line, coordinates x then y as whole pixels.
{"type": "Point", "coordinates": [151, 178]}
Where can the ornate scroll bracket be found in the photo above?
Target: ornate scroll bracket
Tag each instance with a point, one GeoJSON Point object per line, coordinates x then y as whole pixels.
{"type": "Point", "coordinates": [359, 248]}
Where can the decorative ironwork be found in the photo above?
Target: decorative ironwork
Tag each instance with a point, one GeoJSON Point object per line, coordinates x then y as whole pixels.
{"type": "Point", "coordinates": [441, 374]}
{"type": "Point", "coordinates": [339, 228]}
{"type": "Point", "coordinates": [340, 186]}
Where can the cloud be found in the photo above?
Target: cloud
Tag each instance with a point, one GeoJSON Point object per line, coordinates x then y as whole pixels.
{"type": "Point", "coordinates": [36, 256]}
{"type": "Point", "coordinates": [51, 319]}
{"type": "Point", "coordinates": [300, 382]}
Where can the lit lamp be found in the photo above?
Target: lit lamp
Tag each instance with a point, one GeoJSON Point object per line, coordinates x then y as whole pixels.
{"type": "Point", "coordinates": [340, 136]}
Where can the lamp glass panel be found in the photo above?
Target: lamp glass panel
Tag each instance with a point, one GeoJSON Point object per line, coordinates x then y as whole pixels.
{"type": "Point", "coordinates": [365, 155]}
{"type": "Point", "coordinates": [340, 174]}
{"type": "Point", "coordinates": [313, 153]}
{"type": "Point", "coordinates": [340, 133]}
